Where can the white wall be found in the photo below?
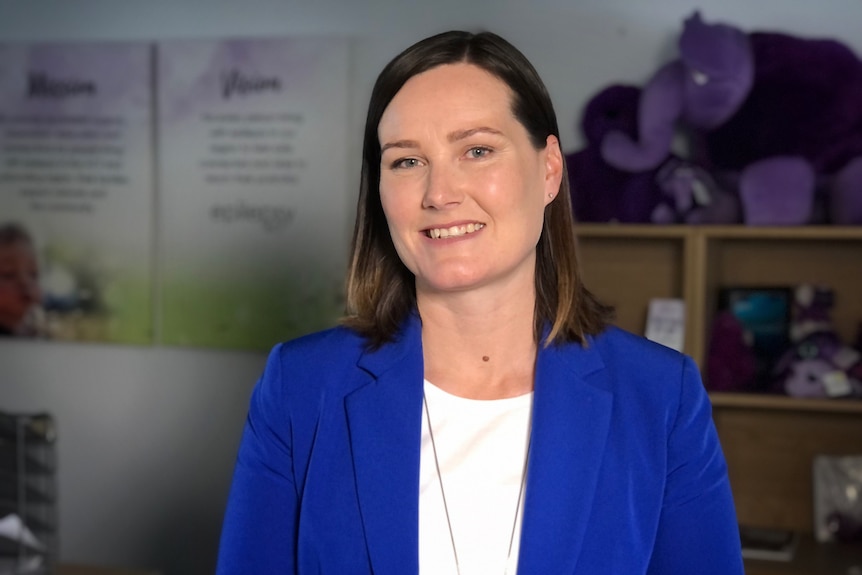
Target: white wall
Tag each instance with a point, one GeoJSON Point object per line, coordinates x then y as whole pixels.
{"type": "Point", "coordinates": [147, 436]}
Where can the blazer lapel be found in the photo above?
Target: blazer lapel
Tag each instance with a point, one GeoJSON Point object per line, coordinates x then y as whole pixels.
{"type": "Point", "coordinates": [385, 424]}
{"type": "Point", "coordinates": [571, 420]}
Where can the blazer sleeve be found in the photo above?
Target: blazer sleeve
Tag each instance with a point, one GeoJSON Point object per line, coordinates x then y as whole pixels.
{"type": "Point", "coordinates": [697, 531]}
{"type": "Point", "coordinates": [259, 529]}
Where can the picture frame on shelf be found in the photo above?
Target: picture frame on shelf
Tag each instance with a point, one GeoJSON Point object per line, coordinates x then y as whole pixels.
{"type": "Point", "coordinates": [765, 314]}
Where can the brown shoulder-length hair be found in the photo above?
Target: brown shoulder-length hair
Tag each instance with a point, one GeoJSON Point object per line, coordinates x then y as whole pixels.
{"type": "Point", "coordinates": [381, 291]}
{"type": "Point", "coordinates": [14, 233]}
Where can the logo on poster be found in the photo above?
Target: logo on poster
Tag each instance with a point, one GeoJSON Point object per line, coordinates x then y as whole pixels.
{"type": "Point", "coordinates": [235, 82]}
{"type": "Point", "coordinates": [271, 218]}
{"type": "Point", "coordinates": [41, 85]}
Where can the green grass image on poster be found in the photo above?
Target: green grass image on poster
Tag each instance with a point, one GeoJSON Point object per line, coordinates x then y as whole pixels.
{"type": "Point", "coordinates": [126, 318]}
{"type": "Point", "coordinates": [249, 315]}
{"type": "Point", "coordinates": [130, 308]}
{"type": "Point", "coordinates": [87, 300]}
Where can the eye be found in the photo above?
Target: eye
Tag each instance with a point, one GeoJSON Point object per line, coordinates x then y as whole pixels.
{"type": "Point", "coordinates": [404, 163]}
{"type": "Point", "coordinates": [477, 152]}
{"type": "Point", "coordinates": [699, 78]}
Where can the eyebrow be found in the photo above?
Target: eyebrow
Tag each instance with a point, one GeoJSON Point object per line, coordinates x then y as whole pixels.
{"type": "Point", "coordinates": [455, 136]}
{"type": "Point", "coordinates": [399, 144]}
{"type": "Point", "coordinates": [462, 134]}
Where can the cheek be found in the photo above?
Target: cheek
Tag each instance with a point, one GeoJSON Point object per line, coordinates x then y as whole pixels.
{"type": "Point", "coordinates": [387, 203]}
{"type": "Point", "coordinates": [396, 209]}
{"type": "Point", "coordinates": [10, 296]}
{"type": "Point", "coordinates": [501, 187]}
{"type": "Point", "coordinates": [391, 215]}
{"type": "Point", "coordinates": [512, 192]}
{"type": "Point", "coordinates": [34, 289]}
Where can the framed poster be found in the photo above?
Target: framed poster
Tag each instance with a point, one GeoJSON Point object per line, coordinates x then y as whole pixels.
{"type": "Point", "coordinates": [253, 184]}
{"type": "Point", "coordinates": [76, 191]}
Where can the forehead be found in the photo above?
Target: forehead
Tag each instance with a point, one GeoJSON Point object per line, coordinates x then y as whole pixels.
{"type": "Point", "coordinates": [16, 249]}
{"type": "Point", "coordinates": [446, 95]}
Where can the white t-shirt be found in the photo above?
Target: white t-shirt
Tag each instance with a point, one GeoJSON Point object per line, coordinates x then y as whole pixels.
{"type": "Point", "coordinates": [481, 448]}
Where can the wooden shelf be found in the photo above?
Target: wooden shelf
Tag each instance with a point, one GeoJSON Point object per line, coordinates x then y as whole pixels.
{"type": "Point", "coordinates": [781, 402]}
{"type": "Point", "coordinates": [631, 231]}
{"type": "Point", "coordinates": [812, 558]}
{"type": "Point", "coordinates": [769, 441]}
{"type": "Point", "coordinates": [785, 232]}
{"type": "Point", "coordinates": [727, 232]}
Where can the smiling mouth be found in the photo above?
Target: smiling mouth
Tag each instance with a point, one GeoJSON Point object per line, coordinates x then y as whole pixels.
{"type": "Point", "coordinates": [453, 232]}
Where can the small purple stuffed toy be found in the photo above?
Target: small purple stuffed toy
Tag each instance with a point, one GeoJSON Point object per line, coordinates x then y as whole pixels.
{"type": "Point", "coordinates": [818, 363]}
{"type": "Point", "coordinates": [779, 116]}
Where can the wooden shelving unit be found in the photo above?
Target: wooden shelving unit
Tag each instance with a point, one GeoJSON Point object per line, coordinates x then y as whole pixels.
{"type": "Point", "coordinates": [769, 441]}
{"type": "Point", "coordinates": [812, 558]}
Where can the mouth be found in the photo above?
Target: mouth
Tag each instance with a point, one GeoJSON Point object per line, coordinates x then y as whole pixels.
{"type": "Point", "coordinates": [453, 231]}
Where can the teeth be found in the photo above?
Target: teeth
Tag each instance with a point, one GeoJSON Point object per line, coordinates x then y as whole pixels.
{"type": "Point", "coordinates": [454, 231]}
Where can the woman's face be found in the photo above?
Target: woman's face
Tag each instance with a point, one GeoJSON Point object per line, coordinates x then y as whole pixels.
{"type": "Point", "coordinates": [462, 187]}
{"type": "Point", "coordinates": [19, 283]}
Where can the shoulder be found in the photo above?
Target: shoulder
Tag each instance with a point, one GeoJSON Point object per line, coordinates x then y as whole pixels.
{"type": "Point", "coordinates": [337, 338]}
{"type": "Point", "coordinates": [620, 349]}
{"type": "Point", "coordinates": [641, 372]}
{"type": "Point", "coordinates": [308, 366]}
{"type": "Point", "coordinates": [336, 345]}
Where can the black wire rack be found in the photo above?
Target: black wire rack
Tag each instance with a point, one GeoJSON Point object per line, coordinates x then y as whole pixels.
{"type": "Point", "coordinates": [29, 542]}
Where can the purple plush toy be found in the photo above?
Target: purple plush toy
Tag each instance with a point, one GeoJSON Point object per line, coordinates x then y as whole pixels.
{"type": "Point", "coordinates": [817, 364]}
{"type": "Point", "coordinates": [731, 363]}
{"type": "Point", "coordinates": [778, 116]}
{"type": "Point", "coordinates": [675, 191]}
{"type": "Point", "coordinates": [600, 192]}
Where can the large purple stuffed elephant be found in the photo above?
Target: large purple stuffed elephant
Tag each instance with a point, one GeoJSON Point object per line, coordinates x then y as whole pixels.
{"type": "Point", "coordinates": [780, 117]}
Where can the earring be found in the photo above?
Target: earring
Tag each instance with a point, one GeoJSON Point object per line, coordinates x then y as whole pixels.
{"type": "Point", "coordinates": [551, 195]}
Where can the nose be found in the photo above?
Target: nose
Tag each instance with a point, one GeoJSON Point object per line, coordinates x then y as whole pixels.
{"type": "Point", "coordinates": [443, 188]}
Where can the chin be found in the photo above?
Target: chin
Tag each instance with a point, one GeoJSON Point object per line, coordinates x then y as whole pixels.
{"type": "Point", "coordinates": [452, 284]}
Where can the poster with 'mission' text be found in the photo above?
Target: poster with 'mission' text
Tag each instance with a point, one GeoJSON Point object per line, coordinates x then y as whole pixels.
{"type": "Point", "coordinates": [76, 191]}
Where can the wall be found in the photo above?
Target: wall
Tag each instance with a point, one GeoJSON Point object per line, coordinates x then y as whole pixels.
{"type": "Point", "coordinates": [148, 435]}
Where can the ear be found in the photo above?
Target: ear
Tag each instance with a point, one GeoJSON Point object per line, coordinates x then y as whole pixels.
{"type": "Point", "coordinates": [553, 168]}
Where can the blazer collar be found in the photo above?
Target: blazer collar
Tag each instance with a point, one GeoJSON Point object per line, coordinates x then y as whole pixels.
{"type": "Point", "coordinates": [571, 418]}
{"type": "Point", "coordinates": [385, 424]}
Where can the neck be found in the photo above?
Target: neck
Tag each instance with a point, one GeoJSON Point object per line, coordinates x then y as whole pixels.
{"type": "Point", "coordinates": [479, 345]}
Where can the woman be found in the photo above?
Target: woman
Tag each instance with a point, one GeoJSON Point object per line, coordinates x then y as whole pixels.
{"type": "Point", "coordinates": [475, 414]}
{"type": "Point", "coordinates": [20, 294]}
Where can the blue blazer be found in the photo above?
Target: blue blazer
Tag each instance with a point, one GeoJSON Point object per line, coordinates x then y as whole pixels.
{"type": "Point", "coordinates": [625, 477]}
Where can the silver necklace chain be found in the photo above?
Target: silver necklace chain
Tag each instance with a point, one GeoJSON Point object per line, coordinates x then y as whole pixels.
{"type": "Point", "coordinates": [446, 506]}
